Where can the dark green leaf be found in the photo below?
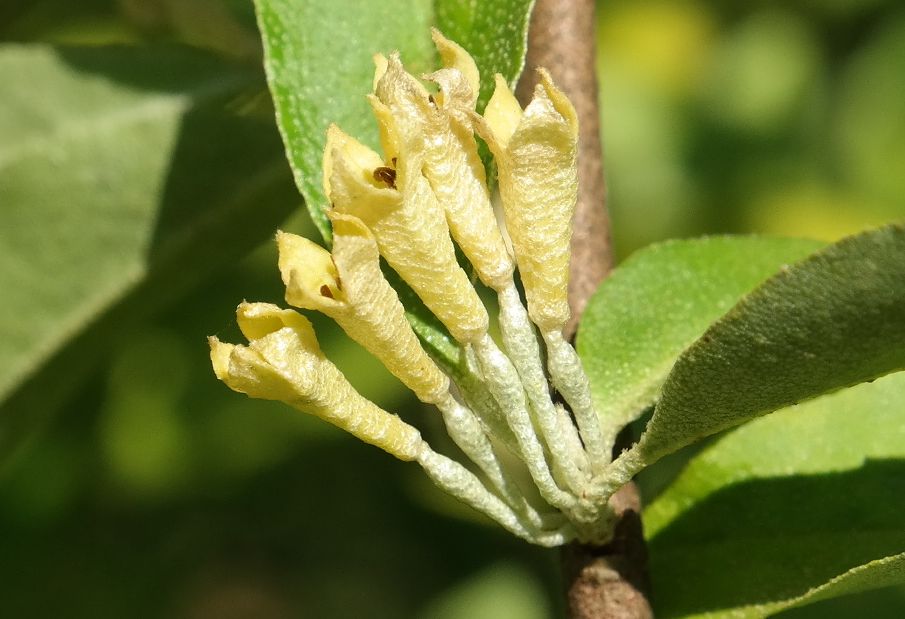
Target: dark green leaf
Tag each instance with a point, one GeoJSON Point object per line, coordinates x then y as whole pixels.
{"type": "Point", "coordinates": [657, 303]}
{"type": "Point", "coordinates": [802, 505]}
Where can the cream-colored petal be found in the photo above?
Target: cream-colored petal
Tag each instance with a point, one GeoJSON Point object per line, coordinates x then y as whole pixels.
{"type": "Point", "coordinates": [412, 235]}
{"type": "Point", "coordinates": [455, 96]}
{"type": "Point", "coordinates": [360, 160]}
{"type": "Point", "coordinates": [309, 274]}
{"type": "Point", "coordinates": [403, 93]}
{"type": "Point", "coordinates": [454, 56]}
{"type": "Point", "coordinates": [329, 395]}
{"type": "Point", "coordinates": [259, 319]}
{"type": "Point", "coordinates": [539, 186]}
{"type": "Point", "coordinates": [559, 100]}
{"type": "Point", "coordinates": [451, 161]}
{"type": "Point", "coordinates": [456, 174]}
{"type": "Point", "coordinates": [243, 369]}
{"type": "Point", "coordinates": [247, 372]}
{"type": "Point", "coordinates": [380, 67]}
{"type": "Point", "coordinates": [406, 219]}
{"type": "Point", "coordinates": [459, 184]}
{"type": "Point", "coordinates": [355, 189]}
{"type": "Point", "coordinates": [220, 353]}
{"type": "Point", "coordinates": [389, 132]}
{"type": "Point", "coordinates": [286, 364]}
{"type": "Point", "coordinates": [503, 112]}
{"type": "Point", "coordinates": [375, 317]}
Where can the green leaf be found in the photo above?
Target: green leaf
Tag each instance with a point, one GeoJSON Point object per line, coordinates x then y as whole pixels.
{"type": "Point", "coordinates": [798, 506]}
{"type": "Point", "coordinates": [318, 57]}
{"type": "Point", "coordinates": [831, 321]}
{"type": "Point", "coordinates": [657, 303]}
{"type": "Point", "coordinates": [494, 33]}
{"type": "Point", "coordinates": [125, 175]}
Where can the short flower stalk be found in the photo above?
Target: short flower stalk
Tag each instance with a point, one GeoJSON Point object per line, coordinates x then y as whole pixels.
{"type": "Point", "coordinates": [426, 194]}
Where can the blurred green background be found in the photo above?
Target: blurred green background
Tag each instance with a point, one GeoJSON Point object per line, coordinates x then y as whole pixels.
{"type": "Point", "coordinates": [154, 491]}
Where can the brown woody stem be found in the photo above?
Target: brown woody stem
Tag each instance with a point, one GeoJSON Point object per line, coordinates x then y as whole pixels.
{"type": "Point", "coordinates": [602, 582]}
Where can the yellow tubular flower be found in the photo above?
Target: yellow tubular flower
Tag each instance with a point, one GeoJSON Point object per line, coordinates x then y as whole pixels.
{"type": "Point", "coordinates": [284, 362]}
{"type": "Point", "coordinates": [535, 151]}
{"type": "Point", "coordinates": [350, 288]}
{"type": "Point", "coordinates": [399, 208]}
{"type": "Point", "coordinates": [451, 161]}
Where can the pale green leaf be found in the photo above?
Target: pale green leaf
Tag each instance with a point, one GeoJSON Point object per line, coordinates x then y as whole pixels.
{"type": "Point", "coordinates": [802, 505]}
{"type": "Point", "coordinates": [830, 321]}
{"type": "Point", "coordinates": [657, 303]}
{"type": "Point", "coordinates": [125, 174]}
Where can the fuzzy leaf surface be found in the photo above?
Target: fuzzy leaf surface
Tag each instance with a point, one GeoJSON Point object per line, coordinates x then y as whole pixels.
{"type": "Point", "coordinates": [659, 301]}
{"type": "Point", "coordinates": [835, 319]}
{"type": "Point", "coordinates": [318, 59]}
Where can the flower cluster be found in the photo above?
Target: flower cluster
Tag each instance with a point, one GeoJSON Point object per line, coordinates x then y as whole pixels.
{"type": "Point", "coordinates": [409, 206]}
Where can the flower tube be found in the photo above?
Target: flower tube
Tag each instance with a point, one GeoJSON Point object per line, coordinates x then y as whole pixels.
{"type": "Point", "coordinates": [349, 287]}
{"type": "Point", "coordinates": [442, 124]}
{"type": "Point", "coordinates": [283, 361]}
{"type": "Point", "coordinates": [408, 224]}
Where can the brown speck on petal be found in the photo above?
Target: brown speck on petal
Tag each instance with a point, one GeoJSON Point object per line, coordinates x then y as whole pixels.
{"type": "Point", "coordinates": [385, 175]}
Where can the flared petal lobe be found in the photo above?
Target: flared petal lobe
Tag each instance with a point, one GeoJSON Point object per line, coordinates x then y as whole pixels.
{"type": "Point", "coordinates": [454, 56]}
{"type": "Point", "coordinates": [283, 361]}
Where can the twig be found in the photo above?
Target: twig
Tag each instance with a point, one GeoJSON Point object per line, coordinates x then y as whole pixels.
{"type": "Point", "coordinates": [607, 582]}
